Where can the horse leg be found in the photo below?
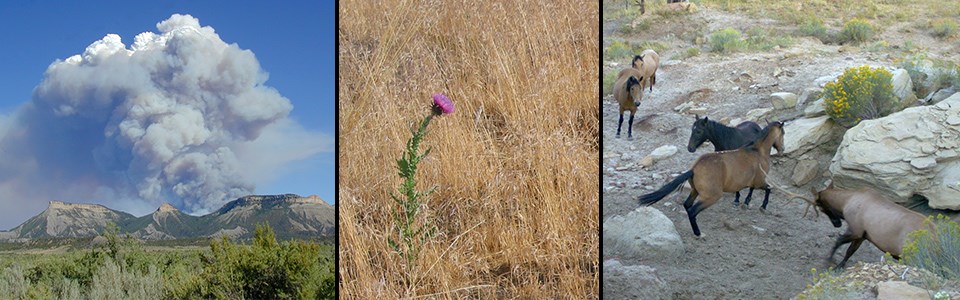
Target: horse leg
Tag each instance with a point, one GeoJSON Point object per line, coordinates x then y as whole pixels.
{"type": "Point", "coordinates": [653, 80]}
{"type": "Point", "coordinates": [693, 208]}
{"type": "Point", "coordinates": [746, 201]}
{"type": "Point", "coordinates": [736, 199]}
{"type": "Point", "coordinates": [766, 197]}
{"type": "Point", "coordinates": [619, 123]}
{"type": "Point", "coordinates": [850, 250]}
{"type": "Point", "coordinates": [630, 129]}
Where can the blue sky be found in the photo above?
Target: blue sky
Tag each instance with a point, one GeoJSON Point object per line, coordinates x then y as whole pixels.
{"type": "Point", "coordinates": [292, 40]}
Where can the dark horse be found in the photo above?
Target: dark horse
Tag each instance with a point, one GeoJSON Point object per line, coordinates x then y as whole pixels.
{"type": "Point", "coordinates": [724, 138]}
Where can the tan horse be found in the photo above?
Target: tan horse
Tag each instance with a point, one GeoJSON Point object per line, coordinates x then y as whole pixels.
{"type": "Point", "coordinates": [649, 62]}
{"type": "Point", "coordinates": [628, 90]}
{"type": "Point", "coordinates": [725, 171]}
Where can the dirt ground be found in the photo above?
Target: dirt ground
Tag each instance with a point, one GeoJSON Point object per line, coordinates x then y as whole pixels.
{"type": "Point", "coordinates": [745, 253]}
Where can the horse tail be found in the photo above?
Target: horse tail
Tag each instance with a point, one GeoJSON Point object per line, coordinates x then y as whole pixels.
{"type": "Point", "coordinates": [672, 186]}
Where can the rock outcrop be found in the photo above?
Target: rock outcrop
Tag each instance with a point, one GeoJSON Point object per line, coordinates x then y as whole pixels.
{"type": "Point", "coordinates": [802, 135]}
{"type": "Point", "coordinates": [912, 152]}
{"type": "Point", "coordinates": [643, 233]}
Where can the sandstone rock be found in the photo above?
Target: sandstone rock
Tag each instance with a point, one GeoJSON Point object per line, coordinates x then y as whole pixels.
{"type": "Point", "coordinates": [805, 171]}
{"type": "Point", "coordinates": [645, 233]}
{"type": "Point", "coordinates": [903, 87]}
{"type": "Point", "coordinates": [815, 109]}
{"type": "Point", "coordinates": [663, 152]}
{"type": "Point", "coordinates": [809, 94]}
{"type": "Point", "coordinates": [912, 152]}
{"type": "Point", "coordinates": [899, 290]}
{"type": "Point", "coordinates": [632, 282]}
{"type": "Point", "coordinates": [758, 114]}
{"type": "Point", "coordinates": [940, 95]}
{"type": "Point", "coordinates": [646, 162]}
{"type": "Point", "coordinates": [783, 100]}
{"type": "Point", "coordinates": [801, 135]}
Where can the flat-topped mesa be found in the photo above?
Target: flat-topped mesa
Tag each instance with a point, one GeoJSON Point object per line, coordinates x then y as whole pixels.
{"type": "Point", "coordinates": [286, 198]}
{"type": "Point", "coordinates": [57, 205]}
{"type": "Point", "coordinates": [166, 207]}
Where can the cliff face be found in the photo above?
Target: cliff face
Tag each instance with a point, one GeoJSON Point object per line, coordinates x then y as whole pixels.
{"type": "Point", "coordinates": [290, 215]}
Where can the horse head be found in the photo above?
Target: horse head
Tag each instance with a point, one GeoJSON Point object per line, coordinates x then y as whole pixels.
{"type": "Point", "coordinates": [698, 134]}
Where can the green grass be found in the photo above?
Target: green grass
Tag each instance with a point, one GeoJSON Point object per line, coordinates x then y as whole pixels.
{"type": "Point", "coordinates": [943, 28]}
{"type": "Point", "coordinates": [622, 49]}
{"type": "Point", "coordinates": [830, 285]}
{"type": "Point", "coordinates": [730, 40]}
{"type": "Point", "coordinates": [813, 26]}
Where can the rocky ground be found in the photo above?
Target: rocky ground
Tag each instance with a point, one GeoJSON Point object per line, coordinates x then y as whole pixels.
{"type": "Point", "coordinates": [745, 253]}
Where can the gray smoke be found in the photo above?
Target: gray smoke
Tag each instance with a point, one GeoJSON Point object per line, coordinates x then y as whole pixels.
{"type": "Point", "coordinates": [180, 116]}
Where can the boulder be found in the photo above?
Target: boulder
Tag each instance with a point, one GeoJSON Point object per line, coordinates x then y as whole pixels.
{"type": "Point", "coordinates": [802, 135]}
{"type": "Point", "coordinates": [783, 100]}
{"type": "Point", "coordinates": [899, 290]}
{"type": "Point", "coordinates": [912, 152]}
{"type": "Point", "coordinates": [903, 87]}
{"type": "Point", "coordinates": [940, 95]}
{"type": "Point", "coordinates": [758, 114]}
{"type": "Point", "coordinates": [809, 94]}
{"type": "Point", "coordinates": [805, 171]}
{"type": "Point", "coordinates": [815, 109]}
{"type": "Point", "coordinates": [645, 233]}
{"type": "Point", "coordinates": [632, 282]}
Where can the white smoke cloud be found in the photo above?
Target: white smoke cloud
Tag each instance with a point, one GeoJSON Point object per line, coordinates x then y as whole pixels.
{"type": "Point", "coordinates": [180, 116]}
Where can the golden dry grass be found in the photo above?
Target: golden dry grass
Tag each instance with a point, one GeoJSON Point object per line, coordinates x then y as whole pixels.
{"type": "Point", "coordinates": [516, 165]}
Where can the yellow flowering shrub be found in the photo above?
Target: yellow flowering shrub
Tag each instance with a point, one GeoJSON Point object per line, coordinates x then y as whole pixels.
{"type": "Point", "coordinates": [860, 94]}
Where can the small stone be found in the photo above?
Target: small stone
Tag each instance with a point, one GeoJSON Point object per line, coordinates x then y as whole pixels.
{"type": "Point", "coordinates": [646, 162]}
{"type": "Point", "coordinates": [759, 229]}
{"type": "Point", "coordinates": [663, 152]}
{"type": "Point", "coordinates": [736, 88]}
{"type": "Point", "coordinates": [656, 176]}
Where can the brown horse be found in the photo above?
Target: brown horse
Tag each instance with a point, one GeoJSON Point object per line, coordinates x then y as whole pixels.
{"type": "Point", "coordinates": [870, 217]}
{"type": "Point", "coordinates": [628, 90]}
{"type": "Point", "coordinates": [726, 171]}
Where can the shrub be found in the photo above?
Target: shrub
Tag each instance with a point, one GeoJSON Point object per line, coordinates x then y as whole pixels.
{"type": "Point", "coordinates": [726, 41]}
{"type": "Point", "coordinates": [937, 252]}
{"type": "Point", "coordinates": [943, 28]}
{"type": "Point", "coordinates": [830, 285]}
{"type": "Point", "coordinates": [618, 50]}
{"type": "Point", "coordinates": [813, 26]}
{"type": "Point", "coordinates": [266, 269]}
{"type": "Point", "coordinates": [857, 31]}
{"type": "Point", "coordinates": [860, 94]}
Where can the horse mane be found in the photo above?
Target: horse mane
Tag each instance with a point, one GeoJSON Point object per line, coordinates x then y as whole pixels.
{"type": "Point", "coordinates": [763, 135]}
{"type": "Point", "coordinates": [722, 131]}
{"type": "Point", "coordinates": [635, 59]}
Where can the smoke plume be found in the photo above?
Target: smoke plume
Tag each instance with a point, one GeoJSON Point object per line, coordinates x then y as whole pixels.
{"type": "Point", "coordinates": [179, 116]}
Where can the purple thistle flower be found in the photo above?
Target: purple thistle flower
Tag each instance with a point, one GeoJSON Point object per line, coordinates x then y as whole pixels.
{"type": "Point", "coordinates": [442, 104]}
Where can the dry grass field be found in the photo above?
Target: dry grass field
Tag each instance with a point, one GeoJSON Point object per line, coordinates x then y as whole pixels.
{"type": "Point", "coordinates": [516, 166]}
